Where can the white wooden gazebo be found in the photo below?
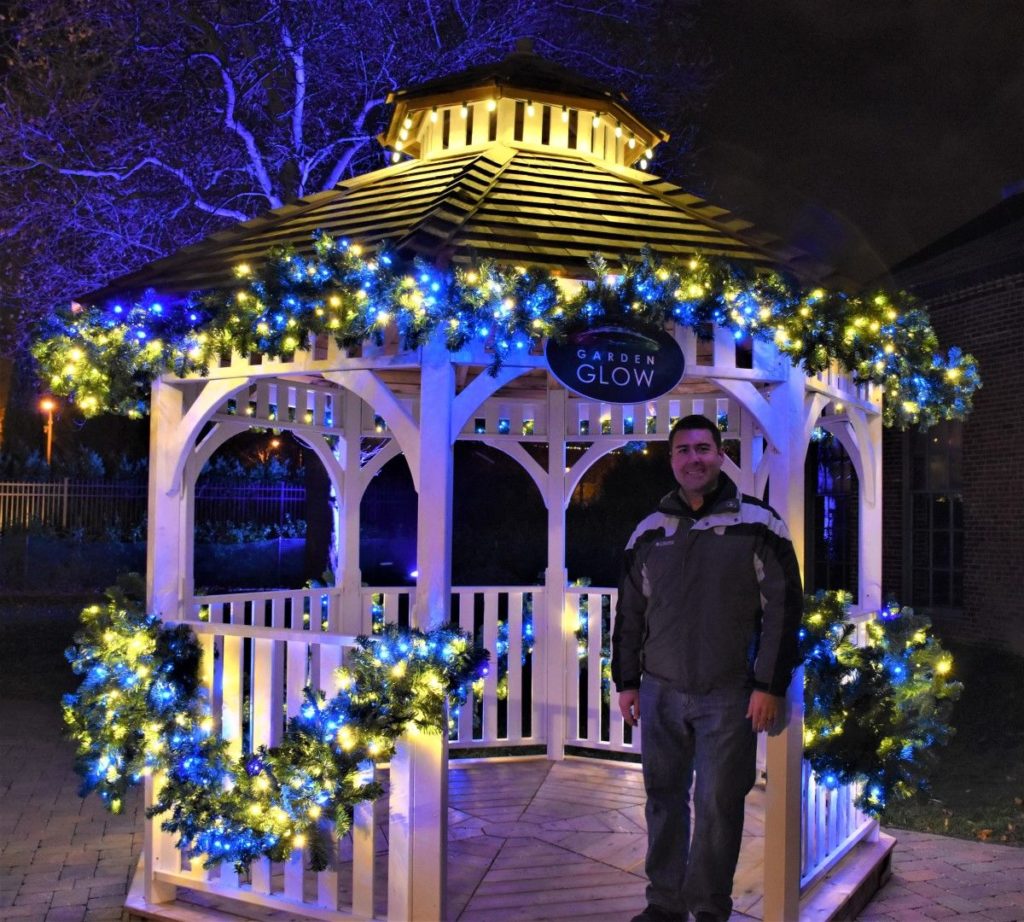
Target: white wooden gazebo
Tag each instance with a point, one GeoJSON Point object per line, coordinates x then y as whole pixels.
{"type": "Point", "coordinates": [526, 163]}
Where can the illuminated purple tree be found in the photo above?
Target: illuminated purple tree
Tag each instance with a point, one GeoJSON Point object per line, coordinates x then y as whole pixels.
{"type": "Point", "coordinates": [131, 128]}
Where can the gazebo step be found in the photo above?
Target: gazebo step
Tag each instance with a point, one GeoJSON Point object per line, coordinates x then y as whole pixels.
{"type": "Point", "coordinates": [847, 888]}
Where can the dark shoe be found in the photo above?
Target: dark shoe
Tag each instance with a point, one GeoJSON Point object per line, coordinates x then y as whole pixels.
{"type": "Point", "coordinates": [708, 917]}
{"type": "Point", "coordinates": [655, 913]}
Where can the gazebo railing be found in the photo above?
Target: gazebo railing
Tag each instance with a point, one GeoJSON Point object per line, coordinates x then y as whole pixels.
{"type": "Point", "coordinates": [831, 822]}
{"type": "Point", "coordinates": [263, 647]}
{"type": "Point", "coordinates": [594, 721]}
{"type": "Point", "coordinates": [260, 650]}
{"type": "Point", "coordinates": [503, 709]}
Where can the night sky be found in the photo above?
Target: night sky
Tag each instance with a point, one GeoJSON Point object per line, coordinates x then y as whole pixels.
{"type": "Point", "coordinates": [862, 130]}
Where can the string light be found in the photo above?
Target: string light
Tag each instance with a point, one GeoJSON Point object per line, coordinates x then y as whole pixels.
{"type": "Point", "coordinates": [103, 358]}
{"type": "Point", "coordinates": [139, 710]}
{"type": "Point", "coordinates": [870, 710]}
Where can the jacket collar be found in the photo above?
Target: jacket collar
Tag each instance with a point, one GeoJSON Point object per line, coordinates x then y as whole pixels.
{"type": "Point", "coordinates": [724, 499]}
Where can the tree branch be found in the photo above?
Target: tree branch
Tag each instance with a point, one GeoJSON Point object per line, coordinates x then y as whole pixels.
{"type": "Point", "coordinates": [299, 72]}
{"type": "Point", "coordinates": [256, 164]}
{"type": "Point", "coordinates": [341, 164]}
{"type": "Point", "coordinates": [123, 175]}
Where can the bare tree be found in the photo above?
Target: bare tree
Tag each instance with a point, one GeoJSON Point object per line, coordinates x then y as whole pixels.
{"type": "Point", "coordinates": [129, 128]}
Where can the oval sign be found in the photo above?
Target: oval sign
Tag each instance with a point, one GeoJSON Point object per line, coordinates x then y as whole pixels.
{"type": "Point", "coordinates": [617, 364]}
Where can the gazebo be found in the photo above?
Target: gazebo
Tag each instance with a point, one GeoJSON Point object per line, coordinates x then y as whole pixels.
{"type": "Point", "coordinates": [529, 165]}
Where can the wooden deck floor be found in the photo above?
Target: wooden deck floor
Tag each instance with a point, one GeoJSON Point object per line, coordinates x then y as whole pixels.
{"type": "Point", "coordinates": [533, 840]}
{"type": "Point", "coordinates": [562, 840]}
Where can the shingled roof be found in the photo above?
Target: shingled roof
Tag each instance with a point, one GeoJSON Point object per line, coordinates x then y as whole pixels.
{"type": "Point", "coordinates": [516, 205]}
{"type": "Point", "coordinates": [543, 176]}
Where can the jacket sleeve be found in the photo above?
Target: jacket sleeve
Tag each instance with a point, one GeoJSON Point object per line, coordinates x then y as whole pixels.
{"type": "Point", "coordinates": [782, 608]}
{"type": "Point", "coordinates": [628, 632]}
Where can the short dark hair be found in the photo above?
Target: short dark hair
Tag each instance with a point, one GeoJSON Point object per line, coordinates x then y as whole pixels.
{"type": "Point", "coordinates": [696, 421]}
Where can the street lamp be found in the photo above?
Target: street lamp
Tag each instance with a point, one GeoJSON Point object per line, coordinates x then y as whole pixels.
{"type": "Point", "coordinates": [48, 405]}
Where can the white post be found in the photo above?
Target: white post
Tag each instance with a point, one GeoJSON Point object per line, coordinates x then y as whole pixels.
{"type": "Point", "coordinates": [784, 791]}
{"type": "Point", "coordinates": [869, 538]}
{"type": "Point", "coordinates": [165, 558]}
{"type": "Point", "coordinates": [434, 510]}
{"type": "Point", "coordinates": [165, 554]}
{"type": "Point", "coordinates": [551, 632]}
{"type": "Point", "coordinates": [346, 534]}
{"type": "Point", "coordinates": [418, 831]}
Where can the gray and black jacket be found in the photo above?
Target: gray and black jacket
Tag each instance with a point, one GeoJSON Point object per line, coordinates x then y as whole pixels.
{"type": "Point", "coordinates": [709, 599]}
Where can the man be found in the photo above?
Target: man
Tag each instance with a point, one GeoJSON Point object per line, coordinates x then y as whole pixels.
{"type": "Point", "coordinates": [704, 647]}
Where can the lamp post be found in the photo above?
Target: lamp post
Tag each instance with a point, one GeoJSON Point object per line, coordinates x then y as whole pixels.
{"type": "Point", "coordinates": [48, 405]}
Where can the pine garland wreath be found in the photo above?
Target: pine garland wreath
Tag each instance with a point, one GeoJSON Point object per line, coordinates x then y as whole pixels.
{"type": "Point", "coordinates": [874, 714]}
{"type": "Point", "coordinates": [139, 710]}
{"type": "Point", "coordinates": [135, 676]}
{"type": "Point", "coordinates": [106, 357]}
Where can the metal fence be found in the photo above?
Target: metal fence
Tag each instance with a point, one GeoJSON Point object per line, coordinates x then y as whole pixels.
{"type": "Point", "coordinates": [95, 506]}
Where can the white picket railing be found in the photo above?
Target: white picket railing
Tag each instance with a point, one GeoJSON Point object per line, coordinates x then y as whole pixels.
{"type": "Point", "coordinates": [260, 651]}
{"type": "Point", "coordinates": [265, 647]}
{"type": "Point", "coordinates": [831, 822]}
{"type": "Point", "coordinates": [594, 721]}
{"type": "Point", "coordinates": [502, 710]}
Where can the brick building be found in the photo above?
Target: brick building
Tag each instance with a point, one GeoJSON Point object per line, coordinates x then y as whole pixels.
{"type": "Point", "coordinates": [954, 495]}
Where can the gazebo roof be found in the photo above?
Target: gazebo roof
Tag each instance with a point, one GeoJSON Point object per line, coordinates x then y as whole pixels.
{"type": "Point", "coordinates": [519, 205]}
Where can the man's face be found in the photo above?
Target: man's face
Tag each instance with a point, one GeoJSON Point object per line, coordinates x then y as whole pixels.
{"type": "Point", "coordinates": [696, 461]}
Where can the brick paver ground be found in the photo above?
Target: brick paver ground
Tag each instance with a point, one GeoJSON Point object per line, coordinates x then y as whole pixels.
{"type": "Point", "coordinates": [62, 858]}
{"type": "Point", "coordinates": [65, 859]}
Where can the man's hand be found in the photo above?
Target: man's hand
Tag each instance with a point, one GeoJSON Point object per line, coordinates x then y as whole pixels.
{"type": "Point", "coordinates": [764, 710]}
{"type": "Point", "coordinates": [629, 706]}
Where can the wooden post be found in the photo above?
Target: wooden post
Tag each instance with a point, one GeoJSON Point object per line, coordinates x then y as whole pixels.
{"type": "Point", "coordinates": [434, 509]}
{"type": "Point", "coordinates": [353, 619]}
{"type": "Point", "coordinates": [418, 837]}
{"type": "Point", "coordinates": [784, 792]}
{"type": "Point", "coordinates": [551, 632]}
{"type": "Point", "coordinates": [165, 553]}
{"type": "Point", "coordinates": [165, 557]}
{"type": "Point", "coordinates": [158, 851]}
{"type": "Point", "coordinates": [869, 538]}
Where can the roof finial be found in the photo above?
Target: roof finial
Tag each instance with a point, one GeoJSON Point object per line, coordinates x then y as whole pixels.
{"type": "Point", "coordinates": [524, 45]}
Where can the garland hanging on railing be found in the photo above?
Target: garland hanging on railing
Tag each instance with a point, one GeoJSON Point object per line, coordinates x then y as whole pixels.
{"type": "Point", "coordinates": [139, 710]}
{"type": "Point", "coordinates": [874, 713]}
{"type": "Point", "coordinates": [105, 358]}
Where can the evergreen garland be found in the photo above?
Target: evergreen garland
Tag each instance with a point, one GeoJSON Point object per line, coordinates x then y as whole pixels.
{"type": "Point", "coordinates": [106, 357]}
{"type": "Point", "coordinates": [139, 710]}
{"type": "Point", "coordinates": [874, 714]}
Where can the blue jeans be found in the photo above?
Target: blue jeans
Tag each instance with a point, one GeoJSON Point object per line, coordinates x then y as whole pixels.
{"type": "Point", "coordinates": [709, 734]}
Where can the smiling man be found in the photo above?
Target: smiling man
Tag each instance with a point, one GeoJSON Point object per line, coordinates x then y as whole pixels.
{"type": "Point", "coordinates": [704, 647]}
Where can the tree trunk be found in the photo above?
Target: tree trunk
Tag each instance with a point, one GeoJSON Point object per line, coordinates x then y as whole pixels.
{"type": "Point", "coordinates": [6, 377]}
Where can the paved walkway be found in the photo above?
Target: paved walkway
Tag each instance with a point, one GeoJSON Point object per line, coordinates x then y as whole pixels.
{"type": "Point", "coordinates": [64, 859]}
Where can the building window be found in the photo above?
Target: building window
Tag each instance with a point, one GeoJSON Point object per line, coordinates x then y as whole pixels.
{"type": "Point", "coordinates": [832, 516]}
{"type": "Point", "coordinates": [934, 519]}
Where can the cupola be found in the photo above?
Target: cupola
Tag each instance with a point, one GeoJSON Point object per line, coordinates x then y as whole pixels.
{"type": "Point", "coordinates": [523, 101]}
